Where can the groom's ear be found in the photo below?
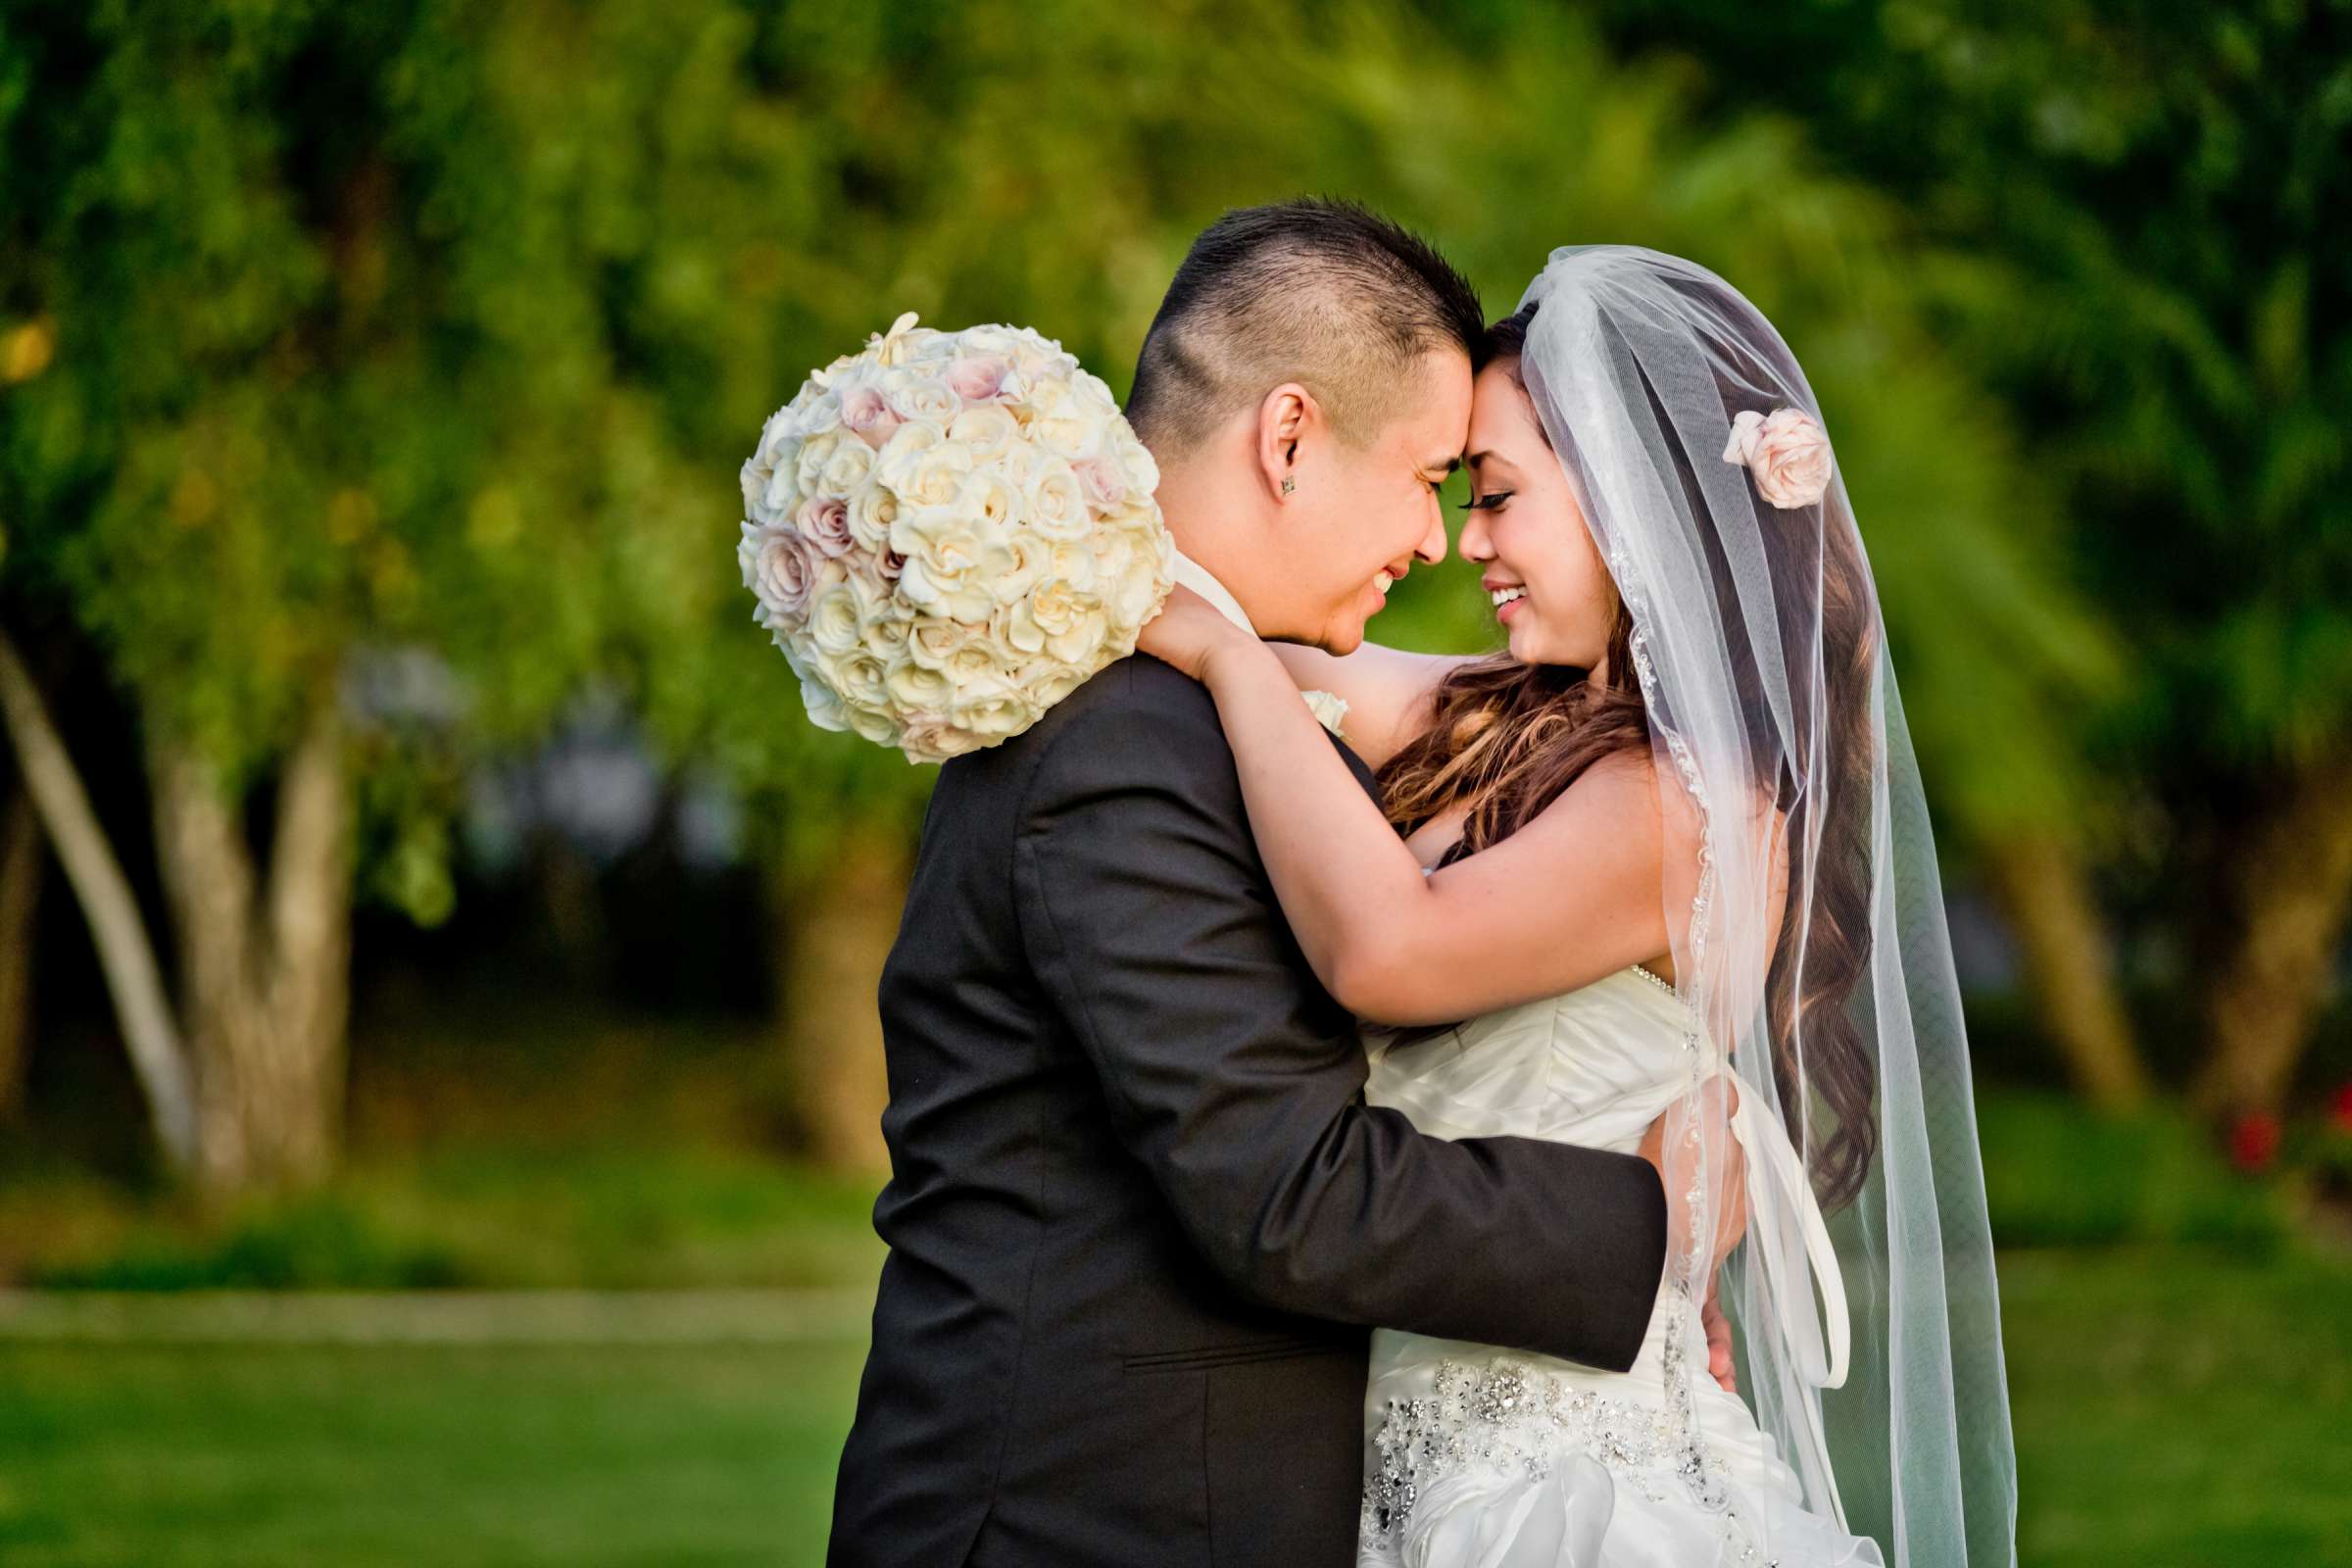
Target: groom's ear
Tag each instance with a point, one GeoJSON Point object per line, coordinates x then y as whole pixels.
{"type": "Point", "coordinates": [1287, 414]}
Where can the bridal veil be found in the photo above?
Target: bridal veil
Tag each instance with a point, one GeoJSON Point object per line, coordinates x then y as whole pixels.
{"type": "Point", "coordinates": [1811, 936]}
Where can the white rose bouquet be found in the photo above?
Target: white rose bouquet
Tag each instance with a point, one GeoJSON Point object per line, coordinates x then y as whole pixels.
{"type": "Point", "coordinates": [947, 533]}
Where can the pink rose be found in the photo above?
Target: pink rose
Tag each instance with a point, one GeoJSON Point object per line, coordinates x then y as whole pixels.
{"type": "Point", "coordinates": [931, 737]}
{"type": "Point", "coordinates": [781, 568]}
{"type": "Point", "coordinates": [977, 379]}
{"type": "Point", "coordinates": [824, 522]}
{"type": "Point", "coordinates": [1104, 486]}
{"type": "Point", "coordinates": [1787, 450]}
{"type": "Point", "coordinates": [865, 413]}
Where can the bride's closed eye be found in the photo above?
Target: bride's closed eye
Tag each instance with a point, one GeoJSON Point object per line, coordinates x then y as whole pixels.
{"type": "Point", "coordinates": [1492, 501]}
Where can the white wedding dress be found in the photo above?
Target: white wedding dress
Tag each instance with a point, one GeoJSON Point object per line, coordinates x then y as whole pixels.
{"type": "Point", "coordinates": [1480, 1458]}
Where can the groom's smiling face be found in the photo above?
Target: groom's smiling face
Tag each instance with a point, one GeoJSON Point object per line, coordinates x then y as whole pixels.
{"type": "Point", "coordinates": [1365, 511]}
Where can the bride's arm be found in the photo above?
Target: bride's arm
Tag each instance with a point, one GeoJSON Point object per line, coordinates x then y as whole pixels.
{"type": "Point", "coordinates": [1387, 690]}
{"type": "Point", "coordinates": [1571, 897]}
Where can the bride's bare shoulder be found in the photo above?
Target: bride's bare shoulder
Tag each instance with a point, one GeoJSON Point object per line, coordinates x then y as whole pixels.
{"type": "Point", "coordinates": [1655, 804]}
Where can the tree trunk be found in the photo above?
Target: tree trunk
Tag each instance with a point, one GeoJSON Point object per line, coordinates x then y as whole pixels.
{"type": "Point", "coordinates": [309, 933]}
{"type": "Point", "coordinates": [839, 921]}
{"type": "Point", "coordinates": [2070, 968]}
{"type": "Point", "coordinates": [2283, 885]}
{"type": "Point", "coordinates": [265, 981]}
{"type": "Point", "coordinates": [133, 976]}
{"type": "Point", "coordinates": [20, 864]}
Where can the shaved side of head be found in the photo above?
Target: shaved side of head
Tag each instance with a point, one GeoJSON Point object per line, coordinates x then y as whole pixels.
{"type": "Point", "coordinates": [1323, 293]}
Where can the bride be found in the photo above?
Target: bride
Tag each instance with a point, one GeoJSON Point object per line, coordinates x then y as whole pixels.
{"type": "Point", "coordinates": [1667, 854]}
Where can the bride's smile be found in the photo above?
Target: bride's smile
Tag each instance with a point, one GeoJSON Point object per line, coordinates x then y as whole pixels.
{"type": "Point", "coordinates": [1550, 592]}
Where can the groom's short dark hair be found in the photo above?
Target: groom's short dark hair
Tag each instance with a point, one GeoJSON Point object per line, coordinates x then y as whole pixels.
{"type": "Point", "coordinates": [1324, 293]}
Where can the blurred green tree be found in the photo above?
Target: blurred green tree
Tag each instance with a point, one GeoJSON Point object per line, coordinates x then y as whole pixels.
{"type": "Point", "coordinates": [345, 347]}
{"type": "Point", "coordinates": [320, 326]}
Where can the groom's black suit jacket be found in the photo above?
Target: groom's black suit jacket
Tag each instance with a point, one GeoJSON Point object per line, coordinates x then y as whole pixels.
{"type": "Point", "coordinates": [1139, 1213]}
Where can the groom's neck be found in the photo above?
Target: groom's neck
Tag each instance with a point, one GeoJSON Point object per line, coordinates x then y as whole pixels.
{"type": "Point", "coordinates": [1215, 523]}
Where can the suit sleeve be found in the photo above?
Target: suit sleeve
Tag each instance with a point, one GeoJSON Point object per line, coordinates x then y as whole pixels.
{"type": "Point", "coordinates": [1239, 1082]}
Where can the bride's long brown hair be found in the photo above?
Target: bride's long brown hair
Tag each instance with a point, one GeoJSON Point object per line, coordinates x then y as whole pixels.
{"type": "Point", "coordinates": [1505, 739]}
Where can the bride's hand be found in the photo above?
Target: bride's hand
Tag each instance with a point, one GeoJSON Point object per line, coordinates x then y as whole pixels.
{"type": "Point", "coordinates": [1719, 1340]}
{"type": "Point", "coordinates": [1187, 630]}
{"type": "Point", "coordinates": [1724, 1163]}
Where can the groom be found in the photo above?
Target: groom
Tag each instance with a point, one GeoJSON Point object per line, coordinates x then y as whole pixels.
{"type": "Point", "coordinates": [1139, 1216]}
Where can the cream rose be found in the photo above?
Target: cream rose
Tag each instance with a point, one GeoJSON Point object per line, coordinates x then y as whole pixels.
{"type": "Point", "coordinates": [929, 399]}
{"type": "Point", "coordinates": [1019, 462]}
{"type": "Point", "coordinates": [934, 478]}
{"type": "Point", "coordinates": [887, 635]}
{"type": "Point", "coordinates": [1136, 597]}
{"type": "Point", "coordinates": [1787, 452]}
{"type": "Point", "coordinates": [992, 709]}
{"type": "Point", "coordinates": [1143, 470]}
{"type": "Point", "coordinates": [809, 464]}
{"type": "Point", "coordinates": [1060, 423]}
{"type": "Point", "coordinates": [846, 467]}
{"type": "Point", "coordinates": [836, 612]}
{"type": "Point", "coordinates": [871, 511]}
{"type": "Point", "coordinates": [860, 675]}
{"type": "Point", "coordinates": [916, 686]}
{"type": "Point", "coordinates": [1057, 506]}
{"type": "Point", "coordinates": [992, 502]}
{"type": "Point", "coordinates": [779, 451]}
{"type": "Point", "coordinates": [1095, 394]}
{"type": "Point", "coordinates": [974, 661]}
{"type": "Point", "coordinates": [872, 724]}
{"type": "Point", "coordinates": [984, 431]}
{"type": "Point", "coordinates": [946, 567]}
{"type": "Point", "coordinates": [1074, 565]}
{"type": "Point", "coordinates": [907, 446]}
{"type": "Point", "coordinates": [825, 710]}
{"type": "Point", "coordinates": [1048, 680]}
{"type": "Point", "coordinates": [1056, 619]}
{"type": "Point", "coordinates": [932, 641]}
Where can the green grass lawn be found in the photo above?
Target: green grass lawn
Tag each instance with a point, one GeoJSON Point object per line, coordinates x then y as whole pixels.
{"type": "Point", "coordinates": [2173, 1406]}
{"type": "Point", "coordinates": [273, 1456]}
{"type": "Point", "coordinates": [2180, 1364]}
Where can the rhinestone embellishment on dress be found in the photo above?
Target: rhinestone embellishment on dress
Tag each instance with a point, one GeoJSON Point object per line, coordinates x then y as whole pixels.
{"type": "Point", "coordinates": [1505, 1415]}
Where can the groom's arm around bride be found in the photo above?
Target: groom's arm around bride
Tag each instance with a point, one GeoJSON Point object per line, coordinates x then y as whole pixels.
{"type": "Point", "coordinates": [1152, 927]}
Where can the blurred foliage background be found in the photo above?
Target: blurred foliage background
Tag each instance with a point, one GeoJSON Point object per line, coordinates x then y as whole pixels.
{"type": "Point", "coordinates": [416, 871]}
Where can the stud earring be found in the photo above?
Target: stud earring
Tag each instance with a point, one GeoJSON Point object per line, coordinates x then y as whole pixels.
{"type": "Point", "coordinates": [1289, 484]}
